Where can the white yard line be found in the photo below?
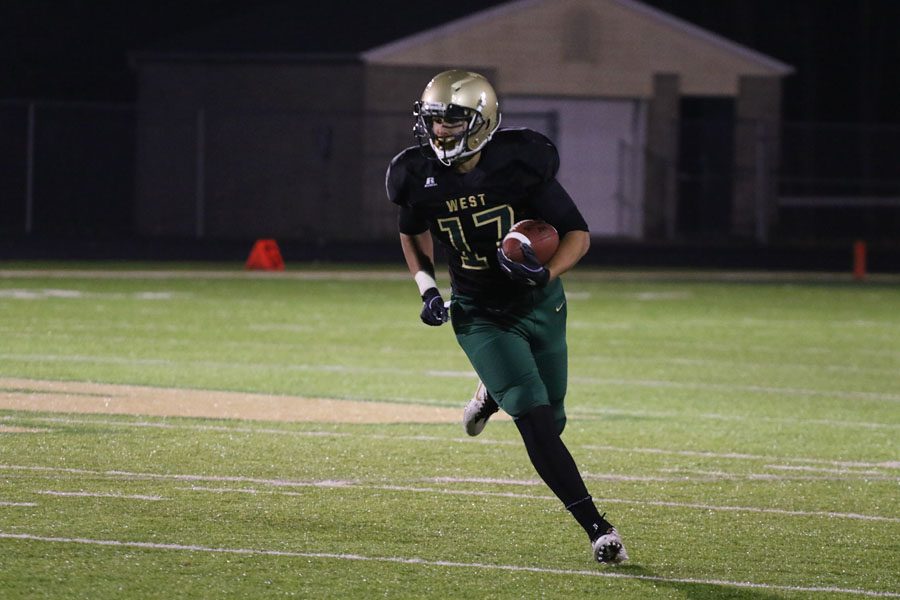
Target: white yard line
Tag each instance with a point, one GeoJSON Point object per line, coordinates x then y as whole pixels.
{"type": "Point", "coordinates": [744, 456]}
{"type": "Point", "coordinates": [724, 387]}
{"type": "Point", "coordinates": [752, 509]}
{"type": "Point", "coordinates": [595, 381]}
{"type": "Point", "coordinates": [65, 329]}
{"type": "Point", "coordinates": [857, 472]}
{"type": "Point", "coordinates": [174, 426]}
{"type": "Point", "coordinates": [744, 365]}
{"type": "Point", "coordinates": [99, 495]}
{"type": "Point", "coordinates": [659, 414]}
{"type": "Point", "coordinates": [739, 344]}
{"type": "Point", "coordinates": [26, 504]}
{"type": "Point", "coordinates": [330, 484]}
{"type": "Point", "coordinates": [890, 465]}
{"type": "Point", "coordinates": [583, 274]}
{"type": "Point", "coordinates": [709, 475]}
{"type": "Point", "coordinates": [599, 500]}
{"type": "Point", "coordinates": [129, 475]}
{"type": "Point", "coordinates": [349, 275]}
{"type": "Point", "coordinates": [437, 563]}
{"type": "Point", "coordinates": [61, 330]}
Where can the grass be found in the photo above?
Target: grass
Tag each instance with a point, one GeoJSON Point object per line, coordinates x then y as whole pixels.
{"type": "Point", "coordinates": [742, 435]}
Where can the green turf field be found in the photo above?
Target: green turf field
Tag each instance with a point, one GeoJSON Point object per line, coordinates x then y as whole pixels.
{"type": "Point", "coordinates": [742, 433]}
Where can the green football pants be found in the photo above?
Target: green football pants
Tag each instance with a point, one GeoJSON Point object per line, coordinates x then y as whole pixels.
{"type": "Point", "coordinates": [519, 352]}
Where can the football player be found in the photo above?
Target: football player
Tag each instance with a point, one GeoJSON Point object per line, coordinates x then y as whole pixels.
{"type": "Point", "coordinates": [465, 184]}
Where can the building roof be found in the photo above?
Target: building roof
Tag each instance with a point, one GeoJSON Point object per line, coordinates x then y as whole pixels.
{"type": "Point", "coordinates": [333, 29]}
{"type": "Point", "coordinates": [374, 29]}
{"type": "Point", "coordinates": [579, 48]}
{"type": "Point", "coordinates": [504, 10]}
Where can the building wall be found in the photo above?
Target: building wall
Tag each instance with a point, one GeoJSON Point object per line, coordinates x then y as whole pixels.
{"type": "Point", "coordinates": [661, 155]}
{"type": "Point", "coordinates": [599, 143]}
{"type": "Point", "coordinates": [757, 144]}
{"type": "Point", "coordinates": [603, 51]}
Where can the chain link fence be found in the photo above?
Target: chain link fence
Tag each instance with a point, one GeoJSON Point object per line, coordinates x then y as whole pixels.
{"type": "Point", "coordinates": [67, 168]}
{"type": "Point", "coordinates": [840, 181]}
{"type": "Point", "coordinates": [72, 170]}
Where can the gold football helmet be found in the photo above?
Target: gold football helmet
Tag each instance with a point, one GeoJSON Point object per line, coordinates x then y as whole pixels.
{"type": "Point", "coordinates": [452, 97]}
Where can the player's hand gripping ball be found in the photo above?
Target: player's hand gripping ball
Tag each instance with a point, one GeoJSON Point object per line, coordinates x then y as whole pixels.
{"type": "Point", "coordinates": [526, 249]}
{"type": "Point", "coordinates": [540, 235]}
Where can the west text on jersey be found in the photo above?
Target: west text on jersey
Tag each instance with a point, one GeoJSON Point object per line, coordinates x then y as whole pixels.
{"type": "Point", "coordinates": [457, 204]}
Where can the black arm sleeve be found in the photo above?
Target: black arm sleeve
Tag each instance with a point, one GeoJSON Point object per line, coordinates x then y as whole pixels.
{"type": "Point", "coordinates": [554, 205]}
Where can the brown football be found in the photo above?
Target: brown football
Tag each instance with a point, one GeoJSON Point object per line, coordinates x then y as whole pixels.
{"type": "Point", "coordinates": [542, 237]}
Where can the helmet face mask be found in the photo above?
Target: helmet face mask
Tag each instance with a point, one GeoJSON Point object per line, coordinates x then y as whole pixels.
{"type": "Point", "coordinates": [459, 100]}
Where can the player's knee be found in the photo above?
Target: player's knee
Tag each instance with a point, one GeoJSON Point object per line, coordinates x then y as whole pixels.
{"type": "Point", "coordinates": [560, 424]}
{"type": "Point", "coordinates": [523, 398]}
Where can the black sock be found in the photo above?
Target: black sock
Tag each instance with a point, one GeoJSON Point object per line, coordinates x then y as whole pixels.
{"type": "Point", "coordinates": [590, 519]}
{"type": "Point", "coordinates": [552, 461]}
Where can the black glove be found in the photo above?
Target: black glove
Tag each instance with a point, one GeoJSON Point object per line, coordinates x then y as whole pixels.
{"type": "Point", "coordinates": [530, 271]}
{"type": "Point", "coordinates": [433, 311]}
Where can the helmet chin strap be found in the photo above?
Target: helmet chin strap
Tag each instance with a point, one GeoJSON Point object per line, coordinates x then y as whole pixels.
{"type": "Point", "coordinates": [462, 143]}
{"type": "Point", "coordinates": [456, 156]}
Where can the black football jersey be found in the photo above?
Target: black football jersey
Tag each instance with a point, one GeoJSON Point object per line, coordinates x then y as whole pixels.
{"type": "Point", "coordinates": [469, 213]}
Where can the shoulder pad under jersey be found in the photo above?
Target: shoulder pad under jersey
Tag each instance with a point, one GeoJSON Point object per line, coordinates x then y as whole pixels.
{"type": "Point", "coordinates": [533, 150]}
{"type": "Point", "coordinates": [397, 174]}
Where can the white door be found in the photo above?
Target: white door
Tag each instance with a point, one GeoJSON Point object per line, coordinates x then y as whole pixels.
{"type": "Point", "coordinates": [600, 146]}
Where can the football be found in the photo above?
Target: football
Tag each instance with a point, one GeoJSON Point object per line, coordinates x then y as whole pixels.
{"type": "Point", "coordinates": [540, 235]}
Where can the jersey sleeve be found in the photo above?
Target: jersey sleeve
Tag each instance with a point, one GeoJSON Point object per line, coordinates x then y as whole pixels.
{"type": "Point", "coordinates": [549, 198]}
{"type": "Point", "coordinates": [554, 205]}
{"type": "Point", "coordinates": [539, 156]}
{"type": "Point", "coordinates": [408, 220]}
{"type": "Point", "coordinates": [394, 181]}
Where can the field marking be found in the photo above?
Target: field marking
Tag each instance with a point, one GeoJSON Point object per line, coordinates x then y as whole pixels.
{"type": "Point", "coordinates": [585, 273]}
{"type": "Point", "coordinates": [129, 475]}
{"type": "Point", "coordinates": [704, 362]}
{"type": "Point", "coordinates": [63, 328]}
{"type": "Point", "coordinates": [102, 398]}
{"type": "Point", "coordinates": [724, 387]}
{"type": "Point", "coordinates": [350, 275]}
{"type": "Point", "coordinates": [74, 333]}
{"type": "Point", "coordinates": [597, 381]}
{"type": "Point", "coordinates": [331, 484]}
{"type": "Point", "coordinates": [99, 495]}
{"type": "Point", "coordinates": [440, 563]}
{"type": "Point", "coordinates": [8, 429]}
{"type": "Point", "coordinates": [760, 348]}
{"type": "Point", "coordinates": [597, 499]}
{"type": "Point", "coordinates": [383, 487]}
{"type": "Point", "coordinates": [823, 470]}
{"type": "Point", "coordinates": [659, 414]}
{"type": "Point", "coordinates": [45, 293]}
{"type": "Point", "coordinates": [173, 426]}
{"type": "Point", "coordinates": [744, 456]}
{"type": "Point", "coordinates": [576, 411]}
{"type": "Point", "coordinates": [751, 509]}
{"type": "Point", "coordinates": [460, 440]}
{"type": "Point", "coordinates": [27, 504]}
{"type": "Point", "coordinates": [723, 475]}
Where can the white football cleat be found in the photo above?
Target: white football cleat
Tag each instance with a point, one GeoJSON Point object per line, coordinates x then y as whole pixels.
{"type": "Point", "coordinates": [608, 548]}
{"type": "Point", "coordinates": [478, 411]}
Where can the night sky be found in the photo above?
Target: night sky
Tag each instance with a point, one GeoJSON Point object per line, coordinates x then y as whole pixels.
{"type": "Point", "coordinates": [844, 51]}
